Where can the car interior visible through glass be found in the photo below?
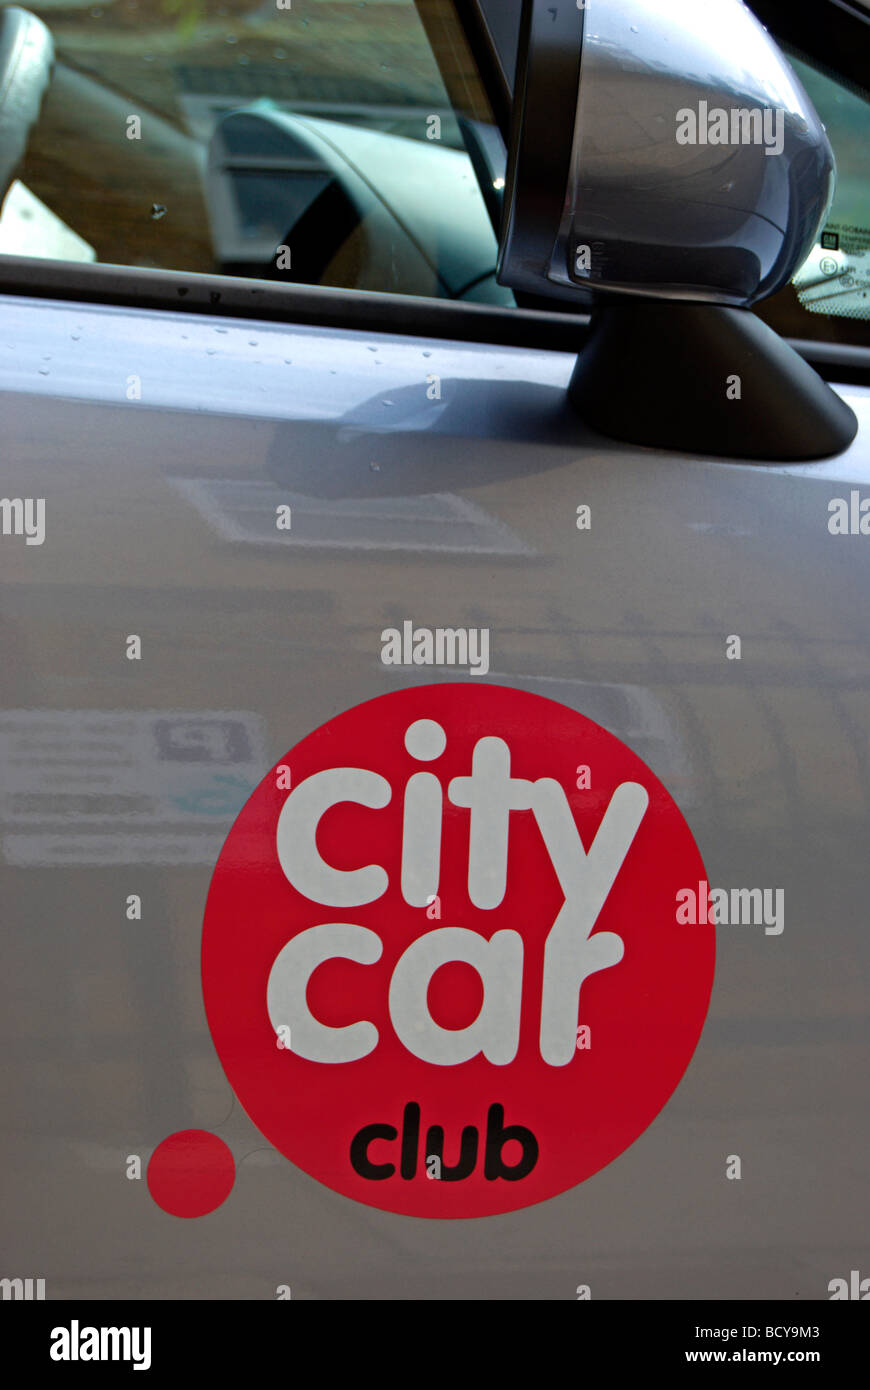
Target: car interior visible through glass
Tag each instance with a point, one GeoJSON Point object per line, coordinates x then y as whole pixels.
{"type": "Point", "coordinates": [314, 144]}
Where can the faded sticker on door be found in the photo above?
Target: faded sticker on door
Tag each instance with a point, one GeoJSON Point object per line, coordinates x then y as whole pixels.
{"type": "Point", "coordinates": [102, 787]}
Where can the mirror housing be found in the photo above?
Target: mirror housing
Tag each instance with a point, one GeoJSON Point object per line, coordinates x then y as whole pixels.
{"type": "Point", "coordinates": [665, 155]}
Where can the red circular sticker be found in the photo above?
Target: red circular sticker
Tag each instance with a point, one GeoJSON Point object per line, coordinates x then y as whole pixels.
{"type": "Point", "coordinates": [441, 959]}
{"type": "Point", "coordinates": [191, 1173]}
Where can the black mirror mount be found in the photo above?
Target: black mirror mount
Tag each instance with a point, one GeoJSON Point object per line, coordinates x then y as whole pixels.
{"type": "Point", "coordinates": [705, 379]}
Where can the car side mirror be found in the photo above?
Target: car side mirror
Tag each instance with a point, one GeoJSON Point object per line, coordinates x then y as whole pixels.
{"type": "Point", "coordinates": [668, 171]}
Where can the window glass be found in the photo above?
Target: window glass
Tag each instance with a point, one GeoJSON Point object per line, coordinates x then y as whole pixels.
{"type": "Point", "coordinates": [836, 278]}
{"type": "Point", "coordinates": [829, 297]}
{"type": "Point", "coordinates": [311, 141]}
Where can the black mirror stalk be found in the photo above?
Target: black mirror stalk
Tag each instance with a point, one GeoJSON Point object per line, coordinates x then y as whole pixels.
{"type": "Point", "coordinates": [705, 379]}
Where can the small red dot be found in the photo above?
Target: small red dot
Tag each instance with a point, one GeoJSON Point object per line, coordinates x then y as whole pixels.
{"type": "Point", "coordinates": [191, 1173]}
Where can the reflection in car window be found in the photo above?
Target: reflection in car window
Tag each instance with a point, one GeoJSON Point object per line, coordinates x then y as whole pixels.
{"type": "Point", "coordinates": [314, 143]}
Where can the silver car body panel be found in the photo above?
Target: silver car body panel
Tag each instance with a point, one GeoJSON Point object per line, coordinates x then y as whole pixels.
{"type": "Point", "coordinates": [458, 510]}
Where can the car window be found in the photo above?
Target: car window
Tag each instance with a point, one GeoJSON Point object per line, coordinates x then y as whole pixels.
{"type": "Point", "coordinates": [835, 281]}
{"type": "Point", "coordinates": [829, 297]}
{"type": "Point", "coordinates": [310, 141]}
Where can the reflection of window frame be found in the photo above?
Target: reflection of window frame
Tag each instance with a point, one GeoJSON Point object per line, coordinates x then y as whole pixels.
{"type": "Point", "coordinates": [432, 510]}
